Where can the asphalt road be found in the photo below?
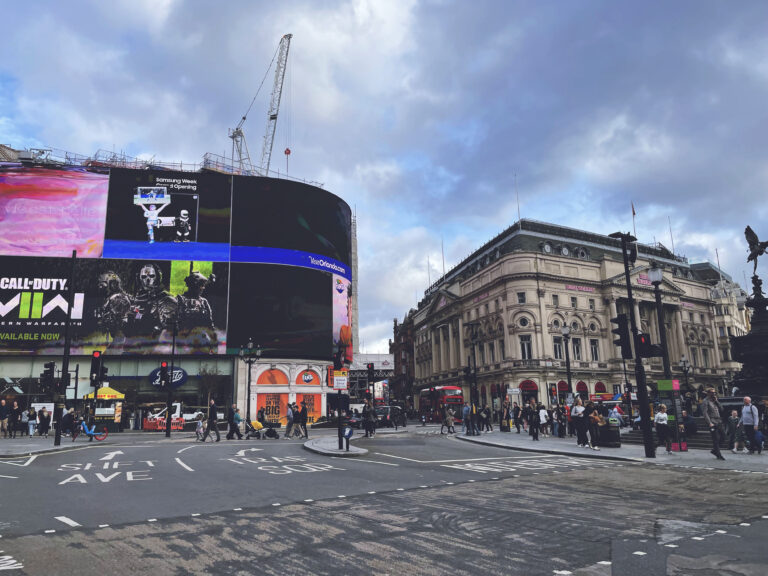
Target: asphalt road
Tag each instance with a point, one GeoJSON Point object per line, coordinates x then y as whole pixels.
{"type": "Point", "coordinates": [415, 504]}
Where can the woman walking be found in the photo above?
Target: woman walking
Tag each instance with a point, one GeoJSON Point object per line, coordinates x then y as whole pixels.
{"type": "Point", "coordinates": [662, 428]}
{"type": "Point", "coordinates": [31, 421]}
{"type": "Point", "coordinates": [44, 422]}
{"type": "Point", "coordinates": [580, 423]}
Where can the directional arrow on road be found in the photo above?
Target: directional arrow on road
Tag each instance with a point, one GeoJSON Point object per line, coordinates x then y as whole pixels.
{"type": "Point", "coordinates": [242, 452]}
{"type": "Point", "coordinates": [111, 455]}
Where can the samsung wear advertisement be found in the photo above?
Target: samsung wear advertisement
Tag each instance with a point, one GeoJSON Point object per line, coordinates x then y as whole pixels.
{"type": "Point", "coordinates": [208, 258]}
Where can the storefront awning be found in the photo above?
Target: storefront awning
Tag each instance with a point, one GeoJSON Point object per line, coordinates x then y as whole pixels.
{"type": "Point", "coordinates": [106, 393]}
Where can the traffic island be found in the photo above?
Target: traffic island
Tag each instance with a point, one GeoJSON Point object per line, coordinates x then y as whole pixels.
{"type": "Point", "coordinates": [329, 446]}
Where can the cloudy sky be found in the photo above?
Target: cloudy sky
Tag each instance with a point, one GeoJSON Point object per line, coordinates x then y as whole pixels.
{"type": "Point", "coordinates": [422, 115]}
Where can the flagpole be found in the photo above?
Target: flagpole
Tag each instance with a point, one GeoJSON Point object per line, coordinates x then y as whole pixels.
{"type": "Point", "coordinates": [634, 228]}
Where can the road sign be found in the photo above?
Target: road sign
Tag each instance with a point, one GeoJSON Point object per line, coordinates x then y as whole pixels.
{"type": "Point", "coordinates": [340, 380]}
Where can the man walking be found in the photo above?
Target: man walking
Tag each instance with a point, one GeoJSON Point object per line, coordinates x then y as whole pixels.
{"type": "Point", "coordinates": [750, 419]}
{"type": "Point", "coordinates": [288, 422]}
{"type": "Point", "coordinates": [465, 425]}
{"type": "Point", "coordinates": [233, 427]}
{"type": "Point", "coordinates": [212, 426]}
{"type": "Point", "coordinates": [711, 410]}
{"type": "Point", "coordinates": [4, 418]}
{"type": "Point", "coordinates": [303, 419]}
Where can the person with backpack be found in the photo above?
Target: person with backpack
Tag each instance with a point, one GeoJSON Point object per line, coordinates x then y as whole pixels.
{"type": "Point", "coordinates": [750, 419]}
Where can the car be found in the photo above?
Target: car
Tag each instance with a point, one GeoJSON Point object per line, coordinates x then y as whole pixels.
{"type": "Point", "coordinates": [390, 416]}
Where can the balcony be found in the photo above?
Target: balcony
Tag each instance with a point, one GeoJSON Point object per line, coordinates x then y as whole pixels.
{"type": "Point", "coordinates": [526, 363]}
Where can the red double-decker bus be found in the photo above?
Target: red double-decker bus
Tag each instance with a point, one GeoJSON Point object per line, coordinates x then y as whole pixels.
{"type": "Point", "coordinates": [432, 400]}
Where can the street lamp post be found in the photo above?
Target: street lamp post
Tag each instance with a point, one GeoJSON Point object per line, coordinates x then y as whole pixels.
{"type": "Point", "coordinates": [473, 393]}
{"type": "Point", "coordinates": [685, 366]}
{"type": "Point", "coordinates": [247, 354]}
{"type": "Point", "coordinates": [655, 275]}
{"type": "Point", "coordinates": [566, 332]}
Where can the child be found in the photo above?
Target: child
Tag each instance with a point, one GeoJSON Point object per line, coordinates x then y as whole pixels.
{"type": "Point", "coordinates": [200, 429]}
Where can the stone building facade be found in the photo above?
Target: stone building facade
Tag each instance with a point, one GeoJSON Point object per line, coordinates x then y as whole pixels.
{"type": "Point", "coordinates": [505, 305]}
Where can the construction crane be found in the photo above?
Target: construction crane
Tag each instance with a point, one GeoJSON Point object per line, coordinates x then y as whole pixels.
{"type": "Point", "coordinates": [274, 103]}
{"type": "Point", "coordinates": [241, 157]}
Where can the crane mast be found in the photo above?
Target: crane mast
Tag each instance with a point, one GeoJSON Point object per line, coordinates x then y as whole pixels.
{"type": "Point", "coordinates": [274, 104]}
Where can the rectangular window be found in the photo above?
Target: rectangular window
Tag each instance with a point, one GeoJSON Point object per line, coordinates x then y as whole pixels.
{"type": "Point", "coordinates": [705, 357]}
{"type": "Point", "coordinates": [525, 347]}
{"type": "Point", "coordinates": [558, 343]}
{"type": "Point", "coordinates": [574, 302]}
{"type": "Point", "coordinates": [521, 297]}
{"type": "Point", "coordinates": [555, 300]}
{"type": "Point", "coordinates": [594, 349]}
{"type": "Point", "coordinates": [486, 309]}
{"type": "Point", "coordinates": [482, 355]}
{"type": "Point", "coordinates": [694, 357]}
{"type": "Point", "coordinates": [722, 331]}
{"type": "Point", "coordinates": [491, 355]}
{"type": "Point", "coordinates": [701, 318]}
{"type": "Point", "coordinates": [730, 332]}
{"type": "Point", "coordinates": [690, 317]}
{"type": "Point", "coordinates": [576, 348]}
{"type": "Point", "coordinates": [502, 352]}
{"type": "Point", "coordinates": [591, 303]}
{"type": "Point", "coordinates": [497, 304]}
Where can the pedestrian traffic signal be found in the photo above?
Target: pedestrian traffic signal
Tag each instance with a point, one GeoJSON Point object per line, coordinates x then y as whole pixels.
{"type": "Point", "coordinates": [645, 349]}
{"type": "Point", "coordinates": [163, 373]}
{"type": "Point", "coordinates": [622, 331]}
{"type": "Point", "coordinates": [371, 374]}
{"type": "Point", "coordinates": [95, 365]}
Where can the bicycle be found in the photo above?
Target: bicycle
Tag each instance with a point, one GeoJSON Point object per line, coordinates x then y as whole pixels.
{"type": "Point", "coordinates": [91, 433]}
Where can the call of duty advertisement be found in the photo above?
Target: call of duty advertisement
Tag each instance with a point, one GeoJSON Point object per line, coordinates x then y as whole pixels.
{"type": "Point", "coordinates": [168, 215]}
{"type": "Point", "coordinates": [119, 306]}
{"type": "Point", "coordinates": [50, 212]}
{"type": "Point", "coordinates": [286, 310]}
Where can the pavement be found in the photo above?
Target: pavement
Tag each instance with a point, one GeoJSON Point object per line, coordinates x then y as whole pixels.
{"type": "Point", "coordinates": [627, 452]}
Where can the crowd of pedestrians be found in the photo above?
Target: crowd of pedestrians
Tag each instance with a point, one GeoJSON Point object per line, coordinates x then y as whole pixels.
{"type": "Point", "coordinates": [17, 422]}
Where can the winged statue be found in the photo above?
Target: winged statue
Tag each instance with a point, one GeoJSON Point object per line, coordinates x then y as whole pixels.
{"type": "Point", "coordinates": [756, 248]}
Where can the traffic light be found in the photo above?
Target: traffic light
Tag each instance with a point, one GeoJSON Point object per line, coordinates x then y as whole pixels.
{"type": "Point", "coordinates": [47, 375]}
{"type": "Point", "coordinates": [622, 331]}
{"type": "Point", "coordinates": [645, 349]}
{"type": "Point", "coordinates": [370, 371]}
{"type": "Point", "coordinates": [95, 366]}
{"type": "Point", "coordinates": [467, 372]}
{"type": "Point", "coordinates": [163, 373]}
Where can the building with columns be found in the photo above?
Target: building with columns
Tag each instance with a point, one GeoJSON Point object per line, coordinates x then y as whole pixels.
{"type": "Point", "coordinates": [503, 308]}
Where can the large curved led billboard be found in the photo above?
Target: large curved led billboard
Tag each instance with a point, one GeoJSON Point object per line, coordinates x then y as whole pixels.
{"type": "Point", "coordinates": [216, 259]}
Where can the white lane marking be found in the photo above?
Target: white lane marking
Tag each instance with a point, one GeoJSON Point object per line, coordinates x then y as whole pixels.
{"type": "Point", "coordinates": [720, 532]}
{"type": "Point", "coordinates": [276, 504]}
{"type": "Point", "coordinates": [639, 553]}
{"type": "Point", "coordinates": [400, 489]}
{"type": "Point", "coordinates": [471, 459]}
{"type": "Point", "coordinates": [8, 563]}
{"type": "Point", "coordinates": [50, 531]}
{"type": "Point", "coordinates": [182, 450]}
{"type": "Point", "coordinates": [605, 562]}
{"type": "Point", "coordinates": [242, 452]}
{"type": "Point", "coordinates": [697, 538]}
{"type": "Point", "coordinates": [103, 525]}
{"type": "Point", "coordinates": [341, 496]}
{"type": "Point", "coordinates": [236, 509]}
{"type": "Point", "coordinates": [184, 465]}
{"type": "Point", "coordinates": [371, 461]}
{"type": "Point", "coordinates": [152, 520]}
{"type": "Point", "coordinates": [745, 524]}
{"type": "Point", "coordinates": [27, 463]}
{"type": "Point", "coordinates": [671, 545]}
{"type": "Point", "coordinates": [562, 572]}
{"type": "Point", "coordinates": [428, 486]}
{"type": "Point", "coordinates": [111, 455]}
{"type": "Point", "coordinates": [309, 500]}
{"type": "Point", "coordinates": [67, 521]}
{"type": "Point", "coordinates": [11, 477]}
{"type": "Point", "coordinates": [372, 492]}
{"type": "Point", "coordinates": [196, 514]}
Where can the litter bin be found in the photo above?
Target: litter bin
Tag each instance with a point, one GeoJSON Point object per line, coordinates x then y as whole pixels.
{"type": "Point", "coordinates": [610, 437]}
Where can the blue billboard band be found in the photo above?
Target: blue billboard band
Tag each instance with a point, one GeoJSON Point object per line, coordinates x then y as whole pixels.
{"type": "Point", "coordinates": [199, 251]}
{"type": "Point", "coordinates": [262, 255]}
